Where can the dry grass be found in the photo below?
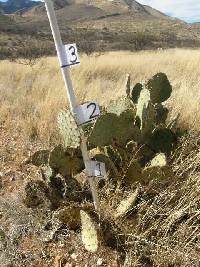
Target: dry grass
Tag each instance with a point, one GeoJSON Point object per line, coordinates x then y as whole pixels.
{"type": "Point", "coordinates": [163, 230]}
{"type": "Point", "coordinates": [31, 97]}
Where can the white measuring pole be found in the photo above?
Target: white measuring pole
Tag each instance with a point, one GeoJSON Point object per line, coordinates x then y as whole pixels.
{"type": "Point", "coordinates": [69, 88]}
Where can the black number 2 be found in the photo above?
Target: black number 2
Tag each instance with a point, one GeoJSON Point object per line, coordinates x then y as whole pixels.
{"type": "Point", "coordinates": [94, 106]}
{"type": "Point", "coordinates": [73, 53]}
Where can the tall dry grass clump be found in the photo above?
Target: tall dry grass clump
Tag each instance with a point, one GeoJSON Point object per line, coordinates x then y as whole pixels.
{"type": "Point", "coordinates": [31, 97]}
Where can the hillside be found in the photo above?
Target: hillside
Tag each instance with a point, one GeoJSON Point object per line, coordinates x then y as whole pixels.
{"type": "Point", "coordinates": [12, 6]}
{"type": "Point", "coordinates": [96, 25]}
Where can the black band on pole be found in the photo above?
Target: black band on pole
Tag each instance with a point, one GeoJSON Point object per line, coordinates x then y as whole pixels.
{"type": "Point", "coordinates": [68, 65]}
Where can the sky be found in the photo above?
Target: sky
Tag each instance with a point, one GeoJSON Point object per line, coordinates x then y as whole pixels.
{"type": "Point", "coordinates": [188, 10]}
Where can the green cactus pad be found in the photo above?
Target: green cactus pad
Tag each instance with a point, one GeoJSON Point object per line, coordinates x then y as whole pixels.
{"type": "Point", "coordinates": [89, 233]}
{"type": "Point", "coordinates": [127, 204]}
{"type": "Point", "coordinates": [159, 160]}
{"type": "Point", "coordinates": [47, 173]}
{"type": "Point", "coordinates": [145, 115]}
{"type": "Point", "coordinates": [114, 155]}
{"type": "Point", "coordinates": [162, 140]}
{"type": "Point", "coordinates": [144, 155]}
{"type": "Point", "coordinates": [67, 162]}
{"type": "Point", "coordinates": [40, 158]}
{"type": "Point", "coordinates": [119, 106]}
{"type": "Point", "coordinates": [68, 129]}
{"type": "Point", "coordinates": [70, 216]}
{"type": "Point", "coordinates": [128, 85]}
{"type": "Point", "coordinates": [135, 94]}
{"type": "Point", "coordinates": [142, 105]}
{"type": "Point", "coordinates": [161, 114]}
{"type": "Point", "coordinates": [36, 194]}
{"type": "Point", "coordinates": [111, 128]}
{"type": "Point", "coordinates": [159, 87]}
{"type": "Point", "coordinates": [157, 173]}
{"type": "Point", "coordinates": [133, 173]}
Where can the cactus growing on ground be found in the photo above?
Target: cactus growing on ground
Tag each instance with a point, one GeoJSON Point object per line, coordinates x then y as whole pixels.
{"type": "Point", "coordinates": [40, 158]}
{"type": "Point", "coordinates": [111, 128]}
{"type": "Point", "coordinates": [68, 129]}
{"type": "Point", "coordinates": [145, 115]}
{"type": "Point", "coordinates": [89, 233]}
{"type": "Point", "coordinates": [159, 87]}
{"type": "Point", "coordinates": [135, 94]}
{"type": "Point", "coordinates": [119, 106]}
{"type": "Point", "coordinates": [69, 215]}
{"type": "Point", "coordinates": [127, 204]}
{"type": "Point", "coordinates": [159, 160]}
{"type": "Point", "coordinates": [67, 162]}
{"type": "Point", "coordinates": [127, 135]}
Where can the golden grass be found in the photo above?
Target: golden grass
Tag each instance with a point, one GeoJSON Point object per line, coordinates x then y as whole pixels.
{"type": "Point", "coordinates": [31, 97]}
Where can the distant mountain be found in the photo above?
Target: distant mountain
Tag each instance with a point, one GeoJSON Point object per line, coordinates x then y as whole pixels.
{"type": "Point", "coordinates": [99, 25]}
{"type": "Point", "coordinates": [12, 6]}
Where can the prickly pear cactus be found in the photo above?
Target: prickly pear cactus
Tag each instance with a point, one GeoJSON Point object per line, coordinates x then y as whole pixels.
{"type": "Point", "coordinates": [40, 158]}
{"type": "Point", "coordinates": [111, 128]}
{"type": "Point", "coordinates": [47, 172]}
{"type": "Point", "coordinates": [160, 160]}
{"type": "Point", "coordinates": [161, 114]}
{"type": "Point", "coordinates": [119, 106]}
{"type": "Point", "coordinates": [162, 140]}
{"type": "Point", "coordinates": [89, 233]}
{"type": "Point", "coordinates": [69, 215]}
{"type": "Point", "coordinates": [67, 162]}
{"type": "Point", "coordinates": [68, 129]}
{"type": "Point", "coordinates": [135, 93]}
{"type": "Point", "coordinates": [145, 115]}
{"type": "Point", "coordinates": [36, 194]}
{"type": "Point", "coordinates": [159, 87]}
{"type": "Point", "coordinates": [133, 173]}
{"type": "Point", "coordinates": [128, 85]}
{"type": "Point", "coordinates": [127, 204]}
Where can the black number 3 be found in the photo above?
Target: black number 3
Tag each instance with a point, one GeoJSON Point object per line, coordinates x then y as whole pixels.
{"type": "Point", "coordinates": [73, 53]}
{"type": "Point", "coordinates": [92, 116]}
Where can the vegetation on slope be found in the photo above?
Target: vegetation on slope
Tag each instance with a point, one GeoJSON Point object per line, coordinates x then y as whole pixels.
{"type": "Point", "coordinates": [96, 26]}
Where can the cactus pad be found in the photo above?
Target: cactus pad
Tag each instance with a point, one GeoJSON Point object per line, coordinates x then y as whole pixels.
{"type": "Point", "coordinates": [159, 160]}
{"type": "Point", "coordinates": [119, 106]}
{"type": "Point", "coordinates": [135, 94]}
{"type": "Point", "coordinates": [162, 140]}
{"type": "Point", "coordinates": [70, 216]}
{"type": "Point", "coordinates": [36, 194]}
{"type": "Point", "coordinates": [145, 115]}
{"type": "Point", "coordinates": [111, 128]}
{"type": "Point", "coordinates": [68, 129]}
{"type": "Point", "coordinates": [47, 173]}
{"type": "Point", "coordinates": [142, 106]}
{"type": "Point", "coordinates": [133, 173]}
{"type": "Point", "coordinates": [88, 232]}
{"type": "Point", "coordinates": [126, 205]}
{"type": "Point", "coordinates": [161, 114]}
{"type": "Point", "coordinates": [40, 158]}
{"type": "Point", "coordinates": [128, 85]}
{"type": "Point", "coordinates": [67, 162]}
{"type": "Point", "coordinates": [159, 87]}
